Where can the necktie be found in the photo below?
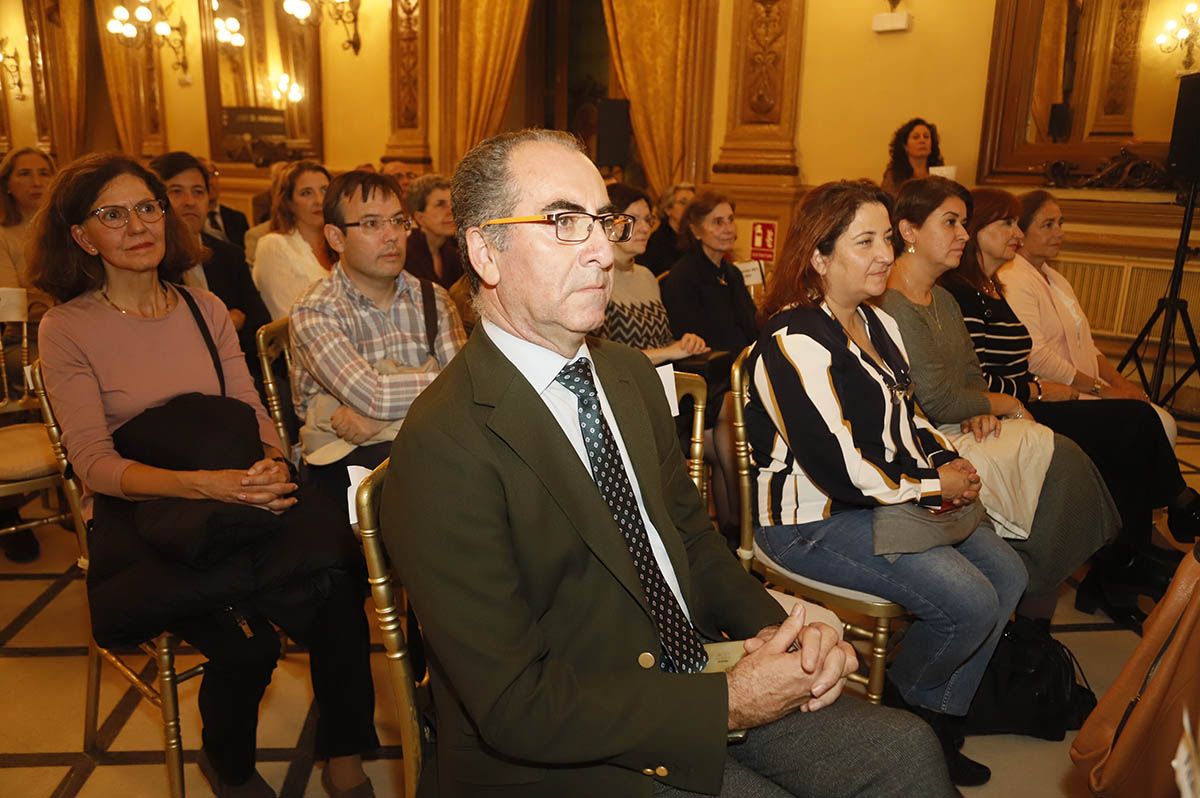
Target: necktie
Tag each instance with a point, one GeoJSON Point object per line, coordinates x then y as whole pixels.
{"type": "Point", "coordinates": [685, 652]}
{"type": "Point", "coordinates": [214, 222]}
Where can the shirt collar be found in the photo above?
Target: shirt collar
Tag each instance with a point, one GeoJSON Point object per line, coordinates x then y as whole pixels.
{"type": "Point", "coordinates": [403, 286]}
{"type": "Point", "coordinates": [537, 364]}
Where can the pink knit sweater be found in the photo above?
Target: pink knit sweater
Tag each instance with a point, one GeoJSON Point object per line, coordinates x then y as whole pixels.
{"type": "Point", "coordinates": [103, 367]}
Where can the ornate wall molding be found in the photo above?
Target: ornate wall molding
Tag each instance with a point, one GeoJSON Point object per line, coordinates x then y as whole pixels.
{"type": "Point", "coordinates": [409, 140]}
{"type": "Point", "coordinates": [760, 133]}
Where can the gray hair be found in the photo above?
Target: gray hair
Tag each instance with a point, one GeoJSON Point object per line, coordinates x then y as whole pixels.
{"type": "Point", "coordinates": [668, 196]}
{"type": "Point", "coordinates": [483, 187]}
{"type": "Point", "coordinates": [420, 189]}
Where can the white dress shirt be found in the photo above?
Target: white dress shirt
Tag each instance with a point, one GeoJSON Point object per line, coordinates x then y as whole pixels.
{"type": "Point", "coordinates": [284, 268]}
{"type": "Point", "coordinates": [540, 366]}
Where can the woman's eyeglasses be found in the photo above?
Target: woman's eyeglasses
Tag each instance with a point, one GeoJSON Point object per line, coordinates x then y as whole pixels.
{"type": "Point", "coordinates": [117, 216]}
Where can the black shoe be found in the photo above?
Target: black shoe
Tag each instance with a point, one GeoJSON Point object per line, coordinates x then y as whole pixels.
{"type": "Point", "coordinates": [1094, 594]}
{"type": "Point", "coordinates": [892, 698]}
{"type": "Point", "coordinates": [254, 787]}
{"type": "Point", "coordinates": [1184, 522]}
{"type": "Point", "coordinates": [21, 547]}
{"type": "Point", "coordinates": [964, 771]}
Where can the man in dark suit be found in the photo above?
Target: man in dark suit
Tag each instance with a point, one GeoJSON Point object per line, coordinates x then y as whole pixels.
{"type": "Point", "coordinates": [221, 221]}
{"type": "Point", "coordinates": [225, 273]}
{"type": "Point", "coordinates": [564, 569]}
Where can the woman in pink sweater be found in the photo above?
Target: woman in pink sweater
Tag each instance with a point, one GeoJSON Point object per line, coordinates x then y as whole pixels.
{"type": "Point", "coordinates": [127, 338]}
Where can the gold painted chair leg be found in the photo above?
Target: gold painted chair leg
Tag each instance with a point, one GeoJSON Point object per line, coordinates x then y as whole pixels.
{"type": "Point", "coordinates": [168, 689]}
{"type": "Point", "coordinates": [878, 667]}
{"type": "Point", "coordinates": [91, 705]}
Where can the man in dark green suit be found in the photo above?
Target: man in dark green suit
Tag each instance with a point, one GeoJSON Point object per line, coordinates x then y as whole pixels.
{"type": "Point", "coordinates": [553, 673]}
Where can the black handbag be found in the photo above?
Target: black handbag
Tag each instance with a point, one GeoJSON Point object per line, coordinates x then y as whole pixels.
{"type": "Point", "coordinates": [1030, 687]}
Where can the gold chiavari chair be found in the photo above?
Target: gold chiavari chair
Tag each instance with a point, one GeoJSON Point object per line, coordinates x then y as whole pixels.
{"type": "Point", "coordinates": [164, 693]}
{"type": "Point", "coordinates": [271, 341]}
{"type": "Point", "coordinates": [841, 600]}
{"type": "Point", "coordinates": [693, 385]}
{"type": "Point", "coordinates": [28, 464]}
{"type": "Point", "coordinates": [388, 612]}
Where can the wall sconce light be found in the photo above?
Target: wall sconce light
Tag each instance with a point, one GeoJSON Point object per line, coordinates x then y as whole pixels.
{"type": "Point", "coordinates": [286, 90]}
{"type": "Point", "coordinates": [343, 12]}
{"type": "Point", "coordinates": [145, 26]}
{"type": "Point", "coordinates": [229, 31]}
{"type": "Point", "coordinates": [10, 63]}
{"type": "Point", "coordinates": [1181, 34]}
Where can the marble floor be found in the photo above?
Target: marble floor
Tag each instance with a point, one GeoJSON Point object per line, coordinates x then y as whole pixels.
{"type": "Point", "coordinates": [43, 639]}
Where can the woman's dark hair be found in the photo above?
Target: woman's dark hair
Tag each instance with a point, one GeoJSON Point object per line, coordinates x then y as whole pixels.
{"type": "Point", "coordinates": [622, 195]}
{"type": "Point", "coordinates": [10, 212]}
{"type": "Point", "coordinates": [61, 267]}
{"type": "Point", "coordinates": [919, 198]}
{"type": "Point", "coordinates": [898, 166]}
{"type": "Point", "coordinates": [700, 206]}
{"type": "Point", "coordinates": [820, 219]}
{"type": "Point", "coordinates": [283, 218]}
{"type": "Point", "coordinates": [1031, 203]}
{"type": "Point", "coordinates": [990, 205]}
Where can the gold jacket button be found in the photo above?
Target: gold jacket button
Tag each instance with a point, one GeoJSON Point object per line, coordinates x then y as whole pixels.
{"type": "Point", "coordinates": [648, 771]}
{"type": "Point", "coordinates": [661, 771]}
{"type": "Point", "coordinates": [646, 660]}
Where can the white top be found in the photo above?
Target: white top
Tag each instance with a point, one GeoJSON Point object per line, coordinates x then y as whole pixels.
{"type": "Point", "coordinates": [540, 366]}
{"type": "Point", "coordinates": [12, 255]}
{"type": "Point", "coordinates": [1046, 304]}
{"type": "Point", "coordinates": [284, 268]}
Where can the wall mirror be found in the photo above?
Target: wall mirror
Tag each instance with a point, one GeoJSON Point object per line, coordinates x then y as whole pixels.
{"type": "Point", "coordinates": [262, 75]}
{"type": "Point", "coordinates": [1072, 84]}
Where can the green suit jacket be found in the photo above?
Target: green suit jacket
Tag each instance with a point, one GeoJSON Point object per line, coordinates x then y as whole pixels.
{"type": "Point", "coordinates": [535, 621]}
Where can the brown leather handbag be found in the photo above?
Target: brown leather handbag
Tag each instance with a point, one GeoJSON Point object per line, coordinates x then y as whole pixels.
{"type": "Point", "coordinates": [1128, 741]}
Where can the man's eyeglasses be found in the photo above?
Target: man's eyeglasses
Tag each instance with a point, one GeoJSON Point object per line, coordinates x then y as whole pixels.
{"type": "Point", "coordinates": [374, 225]}
{"type": "Point", "coordinates": [574, 227]}
{"type": "Point", "coordinates": [117, 216]}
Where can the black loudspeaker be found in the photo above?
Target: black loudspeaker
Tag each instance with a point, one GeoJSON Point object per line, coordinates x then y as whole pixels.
{"type": "Point", "coordinates": [1183, 159]}
{"type": "Point", "coordinates": [614, 133]}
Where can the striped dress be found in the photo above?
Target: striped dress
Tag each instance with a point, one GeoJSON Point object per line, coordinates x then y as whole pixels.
{"type": "Point", "coordinates": [1001, 341]}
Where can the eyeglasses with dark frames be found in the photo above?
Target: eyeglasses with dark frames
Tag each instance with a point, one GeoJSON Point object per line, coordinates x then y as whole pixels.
{"type": "Point", "coordinates": [117, 216]}
{"type": "Point", "coordinates": [574, 227]}
{"type": "Point", "coordinates": [374, 225]}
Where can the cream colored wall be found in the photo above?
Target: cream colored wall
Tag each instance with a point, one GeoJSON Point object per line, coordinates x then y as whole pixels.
{"type": "Point", "coordinates": [357, 106]}
{"type": "Point", "coordinates": [186, 113]}
{"type": "Point", "coordinates": [1157, 84]}
{"type": "Point", "coordinates": [859, 86]}
{"type": "Point", "coordinates": [22, 124]}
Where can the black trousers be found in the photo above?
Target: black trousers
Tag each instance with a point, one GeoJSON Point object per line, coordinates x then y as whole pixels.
{"type": "Point", "coordinates": [332, 479]}
{"type": "Point", "coordinates": [1126, 441]}
{"type": "Point", "coordinates": [242, 647]}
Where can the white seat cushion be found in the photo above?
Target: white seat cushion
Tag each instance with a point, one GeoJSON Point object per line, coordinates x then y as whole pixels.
{"type": "Point", "coordinates": [844, 592]}
{"type": "Point", "coordinates": [25, 453]}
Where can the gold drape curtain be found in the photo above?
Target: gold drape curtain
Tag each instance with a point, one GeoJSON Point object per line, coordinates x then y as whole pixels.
{"type": "Point", "coordinates": [651, 55]}
{"type": "Point", "coordinates": [65, 43]}
{"type": "Point", "coordinates": [124, 93]}
{"type": "Point", "coordinates": [489, 38]}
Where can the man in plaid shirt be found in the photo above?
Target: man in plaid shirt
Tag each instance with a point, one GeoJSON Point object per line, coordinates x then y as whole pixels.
{"type": "Point", "coordinates": [367, 339]}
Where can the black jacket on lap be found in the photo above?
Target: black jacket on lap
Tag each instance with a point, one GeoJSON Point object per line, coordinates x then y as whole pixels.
{"type": "Point", "coordinates": [156, 562]}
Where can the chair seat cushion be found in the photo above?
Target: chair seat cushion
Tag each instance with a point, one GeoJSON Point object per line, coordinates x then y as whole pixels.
{"type": "Point", "coordinates": [27, 453]}
{"type": "Point", "coordinates": [843, 592]}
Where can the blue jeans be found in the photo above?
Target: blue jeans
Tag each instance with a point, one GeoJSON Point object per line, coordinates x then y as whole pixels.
{"type": "Point", "coordinates": [961, 595]}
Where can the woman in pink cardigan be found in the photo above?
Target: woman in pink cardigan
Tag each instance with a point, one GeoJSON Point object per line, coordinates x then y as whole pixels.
{"type": "Point", "coordinates": [127, 339]}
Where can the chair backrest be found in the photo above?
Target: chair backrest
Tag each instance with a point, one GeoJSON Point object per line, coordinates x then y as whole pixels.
{"type": "Point", "coordinates": [739, 390]}
{"type": "Point", "coordinates": [71, 484]}
{"type": "Point", "coordinates": [14, 315]}
{"type": "Point", "coordinates": [387, 611]}
{"type": "Point", "coordinates": [693, 385]}
{"type": "Point", "coordinates": [272, 343]}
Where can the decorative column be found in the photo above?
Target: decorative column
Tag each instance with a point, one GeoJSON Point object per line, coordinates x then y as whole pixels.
{"type": "Point", "coordinates": [409, 141]}
{"type": "Point", "coordinates": [757, 165]}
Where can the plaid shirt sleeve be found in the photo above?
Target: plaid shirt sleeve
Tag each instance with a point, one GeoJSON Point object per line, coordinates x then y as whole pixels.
{"type": "Point", "coordinates": [326, 352]}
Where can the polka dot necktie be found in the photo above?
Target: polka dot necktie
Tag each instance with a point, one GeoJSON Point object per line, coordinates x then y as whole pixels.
{"type": "Point", "coordinates": [684, 650]}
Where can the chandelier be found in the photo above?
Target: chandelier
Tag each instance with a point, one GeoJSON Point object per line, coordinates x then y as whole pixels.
{"type": "Point", "coordinates": [148, 25]}
{"type": "Point", "coordinates": [1181, 34]}
{"type": "Point", "coordinates": [343, 12]}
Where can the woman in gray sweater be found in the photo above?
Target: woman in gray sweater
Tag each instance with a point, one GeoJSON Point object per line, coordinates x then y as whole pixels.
{"type": "Point", "coordinates": [1075, 514]}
